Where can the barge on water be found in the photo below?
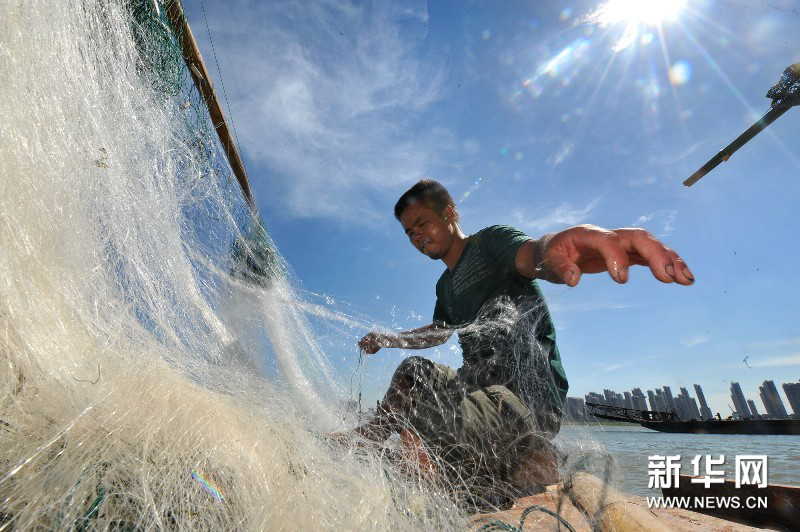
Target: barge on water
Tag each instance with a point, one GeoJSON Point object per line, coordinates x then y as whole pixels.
{"type": "Point", "coordinates": [669, 422]}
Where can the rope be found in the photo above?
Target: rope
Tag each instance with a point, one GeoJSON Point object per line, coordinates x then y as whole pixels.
{"type": "Point", "coordinates": [357, 371]}
{"type": "Point", "coordinates": [497, 524]}
{"type": "Point", "coordinates": [221, 81]}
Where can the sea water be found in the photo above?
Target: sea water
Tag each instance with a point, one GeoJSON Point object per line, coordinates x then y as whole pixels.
{"type": "Point", "coordinates": [631, 445]}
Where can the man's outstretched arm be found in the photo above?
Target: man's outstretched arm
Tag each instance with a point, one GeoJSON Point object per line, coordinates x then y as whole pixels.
{"type": "Point", "coordinates": [563, 257]}
{"type": "Point", "coordinates": [421, 338]}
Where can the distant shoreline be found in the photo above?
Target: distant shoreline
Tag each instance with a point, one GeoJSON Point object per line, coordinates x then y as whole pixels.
{"type": "Point", "coordinates": [598, 422]}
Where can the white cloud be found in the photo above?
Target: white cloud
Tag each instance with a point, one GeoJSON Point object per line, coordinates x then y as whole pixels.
{"type": "Point", "coordinates": [564, 214]}
{"type": "Point", "coordinates": [661, 222]}
{"type": "Point", "coordinates": [776, 362]}
{"type": "Point", "coordinates": [669, 223]}
{"type": "Point", "coordinates": [695, 340]}
{"type": "Point", "coordinates": [324, 96]}
{"type": "Point", "coordinates": [561, 155]}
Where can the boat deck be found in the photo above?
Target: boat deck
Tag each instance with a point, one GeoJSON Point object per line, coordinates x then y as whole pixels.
{"type": "Point", "coordinates": [629, 517]}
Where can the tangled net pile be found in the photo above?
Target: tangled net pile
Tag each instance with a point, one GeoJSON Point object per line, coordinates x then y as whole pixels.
{"type": "Point", "coordinates": [134, 392]}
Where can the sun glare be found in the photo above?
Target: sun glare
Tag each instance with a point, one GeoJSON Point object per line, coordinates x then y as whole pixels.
{"type": "Point", "coordinates": [634, 15]}
{"type": "Point", "coordinates": [650, 12]}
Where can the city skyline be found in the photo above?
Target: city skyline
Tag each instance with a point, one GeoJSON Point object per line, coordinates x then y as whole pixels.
{"type": "Point", "coordinates": [687, 407]}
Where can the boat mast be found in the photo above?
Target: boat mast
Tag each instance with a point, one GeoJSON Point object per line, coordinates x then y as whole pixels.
{"type": "Point", "coordinates": [197, 67]}
{"type": "Point", "coordinates": [784, 95]}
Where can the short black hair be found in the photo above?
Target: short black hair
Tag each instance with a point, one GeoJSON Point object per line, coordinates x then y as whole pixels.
{"type": "Point", "coordinates": [430, 192]}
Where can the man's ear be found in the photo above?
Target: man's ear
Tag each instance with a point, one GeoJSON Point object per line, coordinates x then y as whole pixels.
{"type": "Point", "coordinates": [449, 214]}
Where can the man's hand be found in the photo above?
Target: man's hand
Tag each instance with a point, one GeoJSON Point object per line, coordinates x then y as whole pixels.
{"type": "Point", "coordinates": [421, 338]}
{"type": "Point", "coordinates": [373, 342]}
{"type": "Point", "coordinates": [591, 249]}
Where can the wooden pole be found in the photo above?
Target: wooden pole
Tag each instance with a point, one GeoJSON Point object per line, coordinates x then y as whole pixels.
{"type": "Point", "coordinates": [608, 509]}
{"type": "Point", "coordinates": [197, 67]}
{"type": "Point", "coordinates": [725, 153]}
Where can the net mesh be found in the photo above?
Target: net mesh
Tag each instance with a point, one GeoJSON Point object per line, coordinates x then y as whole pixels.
{"type": "Point", "coordinates": [157, 369]}
{"type": "Point", "coordinates": [150, 376]}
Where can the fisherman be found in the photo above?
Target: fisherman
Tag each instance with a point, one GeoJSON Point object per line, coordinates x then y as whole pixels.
{"type": "Point", "coordinates": [487, 426]}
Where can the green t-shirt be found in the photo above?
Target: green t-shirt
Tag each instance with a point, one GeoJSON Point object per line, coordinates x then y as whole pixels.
{"type": "Point", "coordinates": [501, 316]}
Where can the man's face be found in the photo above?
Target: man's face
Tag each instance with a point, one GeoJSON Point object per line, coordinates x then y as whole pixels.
{"type": "Point", "coordinates": [427, 230]}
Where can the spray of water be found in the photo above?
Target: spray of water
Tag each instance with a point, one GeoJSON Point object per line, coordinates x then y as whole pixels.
{"type": "Point", "coordinates": [133, 390]}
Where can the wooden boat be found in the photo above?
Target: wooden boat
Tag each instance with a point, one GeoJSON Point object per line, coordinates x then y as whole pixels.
{"type": "Point", "coordinates": [589, 505]}
{"type": "Point", "coordinates": [669, 422]}
{"type": "Point", "coordinates": [728, 426]}
{"type": "Point", "coordinates": [775, 506]}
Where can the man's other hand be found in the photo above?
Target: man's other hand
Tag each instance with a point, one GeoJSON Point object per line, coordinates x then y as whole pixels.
{"type": "Point", "coordinates": [591, 249]}
{"type": "Point", "coordinates": [373, 342]}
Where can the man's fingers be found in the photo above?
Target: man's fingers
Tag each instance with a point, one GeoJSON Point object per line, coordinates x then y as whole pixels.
{"type": "Point", "coordinates": [666, 265]}
{"type": "Point", "coordinates": [681, 272]}
{"type": "Point", "coordinates": [589, 249]}
{"type": "Point", "coordinates": [371, 348]}
{"type": "Point", "coordinates": [663, 269]}
{"type": "Point", "coordinates": [661, 263]}
{"type": "Point", "coordinates": [616, 261]}
{"type": "Point", "coordinates": [567, 270]}
{"type": "Point", "coordinates": [607, 245]}
{"type": "Point", "coordinates": [369, 344]}
{"type": "Point", "coordinates": [673, 270]}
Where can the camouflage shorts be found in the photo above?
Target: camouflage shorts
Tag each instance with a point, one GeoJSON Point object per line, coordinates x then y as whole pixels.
{"type": "Point", "coordinates": [478, 434]}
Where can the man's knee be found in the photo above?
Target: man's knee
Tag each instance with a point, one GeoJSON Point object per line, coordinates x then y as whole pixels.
{"type": "Point", "coordinates": [411, 369]}
{"type": "Point", "coordinates": [413, 363]}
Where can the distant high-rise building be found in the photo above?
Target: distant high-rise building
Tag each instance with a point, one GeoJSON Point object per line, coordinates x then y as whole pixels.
{"type": "Point", "coordinates": [669, 401]}
{"type": "Point", "coordinates": [661, 400]}
{"type": "Point", "coordinates": [772, 401]}
{"type": "Point", "coordinates": [652, 398]}
{"type": "Point", "coordinates": [594, 397]}
{"type": "Point", "coordinates": [628, 400]}
{"type": "Point", "coordinates": [792, 391]}
{"type": "Point", "coordinates": [639, 401]}
{"type": "Point", "coordinates": [753, 409]}
{"type": "Point", "coordinates": [705, 411]}
{"type": "Point", "coordinates": [613, 398]}
{"type": "Point", "coordinates": [681, 408]}
{"type": "Point", "coordinates": [576, 410]}
{"type": "Point", "coordinates": [695, 410]}
{"type": "Point", "coordinates": [688, 405]}
{"type": "Point", "coordinates": [739, 401]}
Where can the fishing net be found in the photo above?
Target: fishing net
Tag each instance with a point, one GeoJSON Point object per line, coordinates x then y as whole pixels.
{"type": "Point", "coordinates": [786, 92]}
{"type": "Point", "coordinates": [161, 57]}
{"type": "Point", "coordinates": [156, 368]}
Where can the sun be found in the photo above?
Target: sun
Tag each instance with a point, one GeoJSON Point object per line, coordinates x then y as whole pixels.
{"type": "Point", "coordinates": [638, 12]}
{"type": "Point", "coordinates": [634, 15]}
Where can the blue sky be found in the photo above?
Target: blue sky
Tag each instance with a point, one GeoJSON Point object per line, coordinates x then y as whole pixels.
{"type": "Point", "coordinates": [541, 116]}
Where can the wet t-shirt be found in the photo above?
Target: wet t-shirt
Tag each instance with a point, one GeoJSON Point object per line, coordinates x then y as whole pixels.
{"type": "Point", "coordinates": [504, 327]}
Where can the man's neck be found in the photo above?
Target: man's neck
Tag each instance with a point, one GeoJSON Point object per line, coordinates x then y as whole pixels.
{"type": "Point", "coordinates": [456, 249]}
